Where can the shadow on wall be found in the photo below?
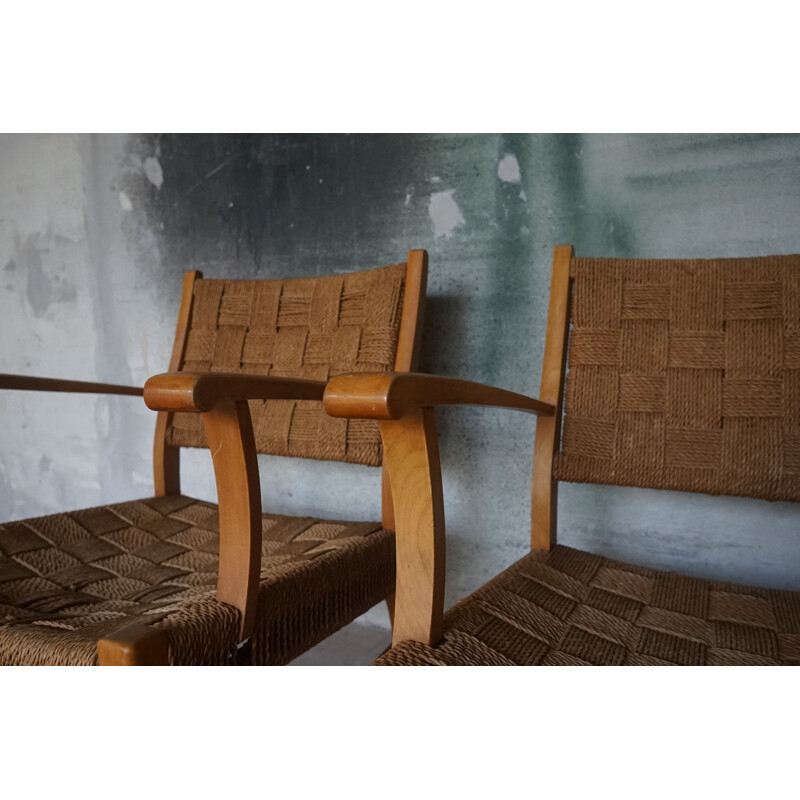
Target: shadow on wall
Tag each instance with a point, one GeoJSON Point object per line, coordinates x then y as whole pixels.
{"type": "Point", "coordinates": [444, 327]}
{"type": "Point", "coordinates": [234, 199]}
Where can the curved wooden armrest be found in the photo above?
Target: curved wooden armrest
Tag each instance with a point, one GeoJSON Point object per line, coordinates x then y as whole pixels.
{"type": "Point", "coordinates": [222, 399]}
{"type": "Point", "coordinates": [393, 395]}
{"type": "Point", "coordinates": [31, 383]}
{"type": "Point", "coordinates": [202, 391]}
{"type": "Point", "coordinates": [402, 403]}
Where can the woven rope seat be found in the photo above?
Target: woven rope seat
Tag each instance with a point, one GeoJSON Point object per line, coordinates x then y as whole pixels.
{"type": "Point", "coordinates": [67, 580]}
{"type": "Point", "coordinates": [174, 580]}
{"type": "Point", "coordinates": [669, 374]}
{"type": "Point", "coordinates": [567, 607]}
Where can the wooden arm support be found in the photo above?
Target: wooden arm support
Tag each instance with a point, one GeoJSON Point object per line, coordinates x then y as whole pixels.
{"type": "Point", "coordinates": [230, 436]}
{"type": "Point", "coordinates": [222, 400]}
{"type": "Point", "coordinates": [393, 395]}
{"type": "Point", "coordinates": [233, 450]}
{"type": "Point", "coordinates": [411, 452]}
{"type": "Point", "coordinates": [402, 404]}
{"type": "Point", "coordinates": [30, 383]}
{"type": "Point", "coordinates": [202, 391]}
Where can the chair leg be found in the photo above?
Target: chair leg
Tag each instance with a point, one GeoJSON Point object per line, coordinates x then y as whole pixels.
{"type": "Point", "coordinates": [133, 646]}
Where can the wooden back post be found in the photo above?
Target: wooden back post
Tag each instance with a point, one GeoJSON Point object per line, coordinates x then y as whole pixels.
{"type": "Point", "coordinates": [408, 347]}
{"type": "Point", "coordinates": [544, 488]}
{"type": "Point", "coordinates": [166, 459]}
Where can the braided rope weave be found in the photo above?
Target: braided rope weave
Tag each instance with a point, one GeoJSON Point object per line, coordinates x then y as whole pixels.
{"type": "Point", "coordinates": [685, 375]}
{"type": "Point", "coordinates": [313, 328]}
{"type": "Point", "coordinates": [568, 608]}
{"type": "Point", "coordinates": [67, 580]}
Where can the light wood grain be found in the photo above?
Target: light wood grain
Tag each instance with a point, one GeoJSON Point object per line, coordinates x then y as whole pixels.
{"type": "Point", "coordinates": [202, 391]}
{"type": "Point", "coordinates": [30, 383]}
{"type": "Point", "coordinates": [133, 646]}
{"type": "Point", "coordinates": [166, 459]}
{"type": "Point", "coordinates": [544, 489]}
{"type": "Point", "coordinates": [390, 396]}
{"type": "Point", "coordinates": [409, 341]}
{"type": "Point", "coordinates": [412, 458]}
{"type": "Point", "coordinates": [233, 449]}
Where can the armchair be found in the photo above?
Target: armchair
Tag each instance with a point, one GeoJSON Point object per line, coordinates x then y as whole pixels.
{"type": "Point", "coordinates": [173, 580]}
{"type": "Point", "coordinates": [683, 374]}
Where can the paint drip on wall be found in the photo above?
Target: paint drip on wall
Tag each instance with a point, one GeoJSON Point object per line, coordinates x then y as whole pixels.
{"type": "Point", "coordinates": [508, 169]}
{"type": "Point", "coordinates": [444, 213]}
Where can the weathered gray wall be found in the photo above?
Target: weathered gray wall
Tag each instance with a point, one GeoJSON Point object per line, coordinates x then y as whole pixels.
{"type": "Point", "coordinates": [96, 230]}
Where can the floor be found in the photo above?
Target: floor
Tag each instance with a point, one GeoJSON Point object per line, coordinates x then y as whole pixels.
{"type": "Point", "coordinates": [357, 644]}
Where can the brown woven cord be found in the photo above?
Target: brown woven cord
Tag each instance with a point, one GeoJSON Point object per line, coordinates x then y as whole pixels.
{"type": "Point", "coordinates": [67, 580]}
{"type": "Point", "coordinates": [312, 328]}
{"type": "Point", "coordinates": [685, 375]}
{"type": "Point", "coordinates": [566, 607]}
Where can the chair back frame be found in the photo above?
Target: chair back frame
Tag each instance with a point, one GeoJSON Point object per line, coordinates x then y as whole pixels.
{"type": "Point", "coordinates": [544, 487]}
{"type": "Point", "coordinates": [721, 372]}
{"type": "Point", "coordinates": [166, 458]}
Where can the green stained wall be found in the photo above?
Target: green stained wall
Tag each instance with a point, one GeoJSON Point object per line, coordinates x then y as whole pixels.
{"type": "Point", "coordinates": [96, 230]}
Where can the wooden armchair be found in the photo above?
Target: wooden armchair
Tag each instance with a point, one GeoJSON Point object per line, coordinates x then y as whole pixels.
{"type": "Point", "coordinates": [173, 580]}
{"type": "Point", "coordinates": [682, 375]}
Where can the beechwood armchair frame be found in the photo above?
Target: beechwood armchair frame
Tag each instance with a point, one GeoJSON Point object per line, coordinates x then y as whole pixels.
{"type": "Point", "coordinates": [404, 406]}
{"type": "Point", "coordinates": [221, 399]}
{"type": "Point", "coordinates": [724, 331]}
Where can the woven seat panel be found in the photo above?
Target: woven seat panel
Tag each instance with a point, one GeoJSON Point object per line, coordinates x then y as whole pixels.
{"type": "Point", "coordinates": [67, 580]}
{"type": "Point", "coordinates": [568, 607]}
{"type": "Point", "coordinates": [313, 328]}
{"type": "Point", "coordinates": [685, 375]}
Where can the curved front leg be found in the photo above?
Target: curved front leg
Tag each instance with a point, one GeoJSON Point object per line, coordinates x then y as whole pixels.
{"type": "Point", "coordinates": [230, 438]}
{"type": "Point", "coordinates": [411, 449]}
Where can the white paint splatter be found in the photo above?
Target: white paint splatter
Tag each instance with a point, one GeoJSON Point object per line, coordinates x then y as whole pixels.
{"type": "Point", "coordinates": [444, 213]}
{"type": "Point", "coordinates": [152, 168]}
{"type": "Point", "coordinates": [125, 202]}
{"type": "Point", "coordinates": [508, 169]}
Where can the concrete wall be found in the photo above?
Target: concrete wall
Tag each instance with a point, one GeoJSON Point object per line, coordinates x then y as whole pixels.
{"type": "Point", "coordinates": [95, 232]}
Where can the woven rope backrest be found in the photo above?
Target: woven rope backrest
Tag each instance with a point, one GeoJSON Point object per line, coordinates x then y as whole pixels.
{"type": "Point", "coordinates": [311, 328]}
{"type": "Point", "coordinates": [685, 375]}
